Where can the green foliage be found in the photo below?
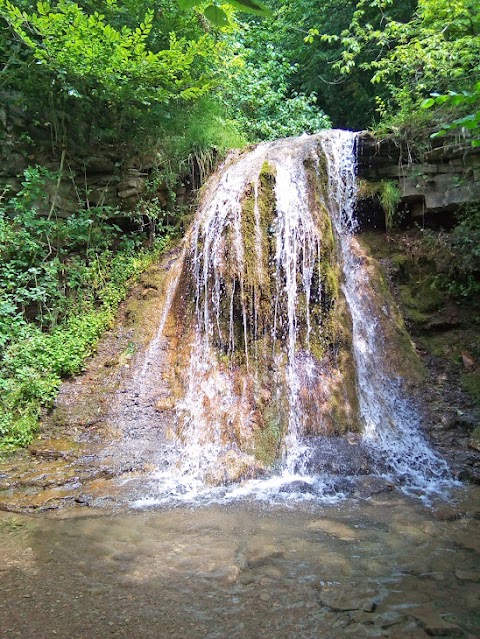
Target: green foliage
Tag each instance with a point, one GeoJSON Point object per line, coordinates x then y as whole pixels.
{"type": "Point", "coordinates": [436, 50]}
{"type": "Point", "coordinates": [468, 99]}
{"type": "Point", "coordinates": [457, 254]}
{"type": "Point", "coordinates": [389, 197]}
{"type": "Point", "coordinates": [259, 93]}
{"type": "Point", "coordinates": [219, 18]}
{"type": "Point", "coordinates": [348, 100]}
{"type": "Point", "coordinates": [86, 53]}
{"type": "Point", "coordinates": [60, 284]}
{"type": "Point", "coordinates": [106, 70]}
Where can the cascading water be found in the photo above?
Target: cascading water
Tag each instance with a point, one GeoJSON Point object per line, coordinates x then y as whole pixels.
{"type": "Point", "coordinates": [391, 424]}
{"type": "Point", "coordinates": [278, 369]}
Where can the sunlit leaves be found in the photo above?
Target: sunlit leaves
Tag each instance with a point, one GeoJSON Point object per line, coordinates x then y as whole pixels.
{"type": "Point", "coordinates": [188, 4]}
{"type": "Point", "coordinates": [216, 16]}
{"type": "Point", "coordinates": [90, 57]}
{"type": "Point", "coordinates": [251, 6]}
{"type": "Point", "coordinates": [437, 49]}
{"type": "Point", "coordinates": [468, 99]}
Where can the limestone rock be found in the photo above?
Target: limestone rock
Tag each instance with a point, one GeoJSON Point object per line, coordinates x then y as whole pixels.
{"type": "Point", "coordinates": [435, 625]}
{"type": "Point", "coordinates": [166, 403]}
{"type": "Point", "coordinates": [297, 487]}
{"type": "Point", "coordinates": [368, 486]}
{"type": "Point", "coordinates": [468, 575]}
{"type": "Point", "coordinates": [468, 361]}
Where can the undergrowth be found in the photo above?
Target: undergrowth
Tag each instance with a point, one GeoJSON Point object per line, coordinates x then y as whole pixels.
{"type": "Point", "coordinates": [60, 284]}
{"type": "Point", "coordinates": [457, 255]}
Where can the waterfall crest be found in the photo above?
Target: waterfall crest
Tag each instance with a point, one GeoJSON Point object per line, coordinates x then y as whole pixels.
{"type": "Point", "coordinates": [285, 372]}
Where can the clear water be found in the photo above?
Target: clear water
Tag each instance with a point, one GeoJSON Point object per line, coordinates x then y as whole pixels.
{"type": "Point", "coordinates": [385, 568]}
{"type": "Point", "coordinates": [392, 426]}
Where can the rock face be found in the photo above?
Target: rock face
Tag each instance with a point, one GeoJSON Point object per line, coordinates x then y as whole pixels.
{"type": "Point", "coordinates": [434, 182]}
{"type": "Point", "coordinates": [109, 175]}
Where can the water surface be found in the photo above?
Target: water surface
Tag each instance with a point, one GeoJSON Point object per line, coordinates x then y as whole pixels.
{"type": "Point", "coordinates": [385, 567]}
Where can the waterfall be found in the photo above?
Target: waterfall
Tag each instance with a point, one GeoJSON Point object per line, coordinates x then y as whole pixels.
{"type": "Point", "coordinates": [391, 423]}
{"type": "Point", "coordinates": [289, 344]}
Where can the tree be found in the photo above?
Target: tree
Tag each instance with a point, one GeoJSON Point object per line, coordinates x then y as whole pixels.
{"type": "Point", "coordinates": [437, 49]}
{"type": "Point", "coordinates": [259, 90]}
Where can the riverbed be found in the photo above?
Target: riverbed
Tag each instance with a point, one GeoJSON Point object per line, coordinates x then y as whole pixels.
{"type": "Point", "coordinates": [387, 566]}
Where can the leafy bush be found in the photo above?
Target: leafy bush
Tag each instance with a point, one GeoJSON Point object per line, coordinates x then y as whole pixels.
{"type": "Point", "coordinates": [436, 49]}
{"type": "Point", "coordinates": [60, 284]}
{"type": "Point", "coordinates": [457, 254]}
{"type": "Point", "coordinates": [259, 95]}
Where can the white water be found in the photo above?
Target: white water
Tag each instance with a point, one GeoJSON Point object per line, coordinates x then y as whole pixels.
{"type": "Point", "coordinates": [392, 427]}
{"type": "Point", "coordinates": [392, 430]}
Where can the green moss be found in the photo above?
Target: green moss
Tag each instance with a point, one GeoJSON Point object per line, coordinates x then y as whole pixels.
{"type": "Point", "coordinates": [421, 295]}
{"type": "Point", "coordinates": [258, 281]}
{"type": "Point", "coordinates": [471, 383]}
{"type": "Point", "coordinates": [376, 244]}
{"type": "Point", "coordinates": [402, 351]}
{"type": "Point", "coordinates": [268, 442]}
{"type": "Point", "coordinates": [388, 195]}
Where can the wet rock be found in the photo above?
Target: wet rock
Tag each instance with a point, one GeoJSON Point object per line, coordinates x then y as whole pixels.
{"type": "Point", "coordinates": [468, 575]}
{"type": "Point", "coordinates": [339, 601]}
{"type": "Point", "coordinates": [232, 466]}
{"type": "Point", "coordinates": [389, 619]}
{"type": "Point", "coordinates": [368, 486]}
{"type": "Point", "coordinates": [297, 487]}
{"type": "Point", "coordinates": [333, 528]}
{"type": "Point", "coordinates": [448, 512]}
{"type": "Point", "coordinates": [474, 441]}
{"type": "Point", "coordinates": [54, 449]}
{"type": "Point", "coordinates": [471, 474]}
{"type": "Point", "coordinates": [261, 555]}
{"type": "Point", "coordinates": [166, 403]}
{"type": "Point", "coordinates": [435, 625]}
{"type": "Point", "coordinates": [338, 456]}
{"type": "Point", "coordinates": [246, 578]}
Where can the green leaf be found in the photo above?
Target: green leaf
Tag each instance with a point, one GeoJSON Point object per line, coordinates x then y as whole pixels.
{"type": "Point", "coordinates": [251, 6]}
{"type": "Point", "coordinates": [426, 104]}
{"type": "Point", "coordinates": [439, 134]}
{"type": "Point", "coordinates": [216, 16]}
{"type": "Point", "coordinates": [475, 142]}
{"type": "Point", "coordinates": [188, 4]}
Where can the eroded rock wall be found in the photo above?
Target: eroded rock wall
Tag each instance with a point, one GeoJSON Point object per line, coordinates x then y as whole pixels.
{"type": "Point", "coordinates": [117, 176]}
{"type": "Point", "coordinates": [433, 183]}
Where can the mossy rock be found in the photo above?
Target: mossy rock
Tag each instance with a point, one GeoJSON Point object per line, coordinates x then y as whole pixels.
{"type": "Point", "coordinates": [422, 296]}
{"type": "Point", "coordinates": [268, 442]}
{"type": "Point", "coordinates": [471, 383]}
